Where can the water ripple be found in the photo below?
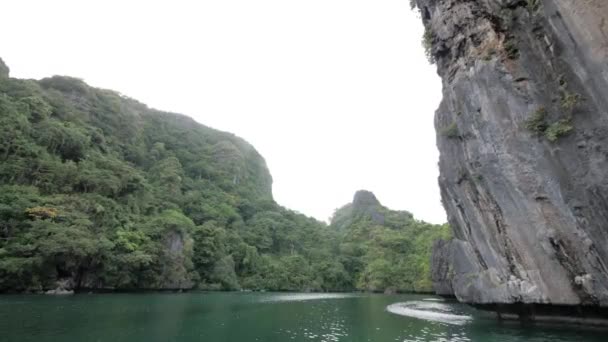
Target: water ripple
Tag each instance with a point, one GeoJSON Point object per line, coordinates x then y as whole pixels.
{"type": "Point", "coordinates": [297, 297]}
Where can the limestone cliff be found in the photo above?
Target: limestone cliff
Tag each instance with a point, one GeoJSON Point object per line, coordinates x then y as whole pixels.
{"type": "Point", "coordinates": [4, 70]}
{"type": "Point", "coordinates": [522, 133]}
{"type": "Point", "coordinates": [442, 268]}
{"type": "Point", "coordinates": [364, 206]}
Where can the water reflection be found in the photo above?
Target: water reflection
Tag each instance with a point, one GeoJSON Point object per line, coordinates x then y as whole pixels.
{"type": "Point", "coordinates": [265, 317]}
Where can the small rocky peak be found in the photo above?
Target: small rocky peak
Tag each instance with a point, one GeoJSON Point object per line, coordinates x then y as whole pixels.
{"type": "Point", "coordinates": [364, 199]}
{"type": "Point", "coordinates": [4, 70]}
{"type": "Point", "coordinates": [366, 202]}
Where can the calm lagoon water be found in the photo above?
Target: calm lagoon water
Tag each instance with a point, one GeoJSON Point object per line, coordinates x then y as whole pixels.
{"type": "Point", "coordinates": [266, 317]}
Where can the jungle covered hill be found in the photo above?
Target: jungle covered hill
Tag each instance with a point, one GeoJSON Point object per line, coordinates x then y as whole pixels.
{"type": "Point", "coordinates": [99, 191]}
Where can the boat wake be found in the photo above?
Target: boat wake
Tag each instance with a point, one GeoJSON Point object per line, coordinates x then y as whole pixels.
{"type": "Point", "coordinates": [430, 311]}
{"type": "Point", "coordinates": [298, 297]}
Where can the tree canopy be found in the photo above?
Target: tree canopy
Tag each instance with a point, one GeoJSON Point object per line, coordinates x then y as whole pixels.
{"type": "Point", "coordinates": [99, 191]}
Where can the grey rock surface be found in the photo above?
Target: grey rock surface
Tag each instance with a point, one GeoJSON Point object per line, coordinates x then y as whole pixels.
{"type": "Point", "coordinates": [4, 70]}
{"type": "Point", "coordinates": [177, 249]}
{"type": "Point", "coordinates": [523, 140]}
{"type": "Point", "coordinates": [365, 202]}
{"type": "Point", "coordinates": [62, 287]}
{"type": "Point", "coordinates": [442, 268]}
{"type": "Point", "coordinates": [364, 199]}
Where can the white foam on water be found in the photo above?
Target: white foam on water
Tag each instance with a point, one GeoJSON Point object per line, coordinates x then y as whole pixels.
{"type": "Point", "coordinates": [433, 300]}
{"type": "Point", "coordinates": [297, 297]}
{"type": "Point", "coordinates": [434, 312]}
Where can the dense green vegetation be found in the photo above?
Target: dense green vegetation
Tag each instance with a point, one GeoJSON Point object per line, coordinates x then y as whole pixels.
{"type": "Point", "coordinates": [384, 249]}
{"type": "Point", "coordinates": [99, 191]}
{"type": "Point", "coordinates": [538, 124]}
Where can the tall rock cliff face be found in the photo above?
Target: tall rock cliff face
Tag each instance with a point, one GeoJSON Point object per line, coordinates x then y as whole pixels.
{"type": "Point", "coordinates": [4, 70]}
{"type": "Point", "coordinates": [523, 136]}
{"type": "Point", "coordinates": [442, 268]}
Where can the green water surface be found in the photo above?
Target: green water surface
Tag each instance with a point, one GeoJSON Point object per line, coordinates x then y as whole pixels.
{"type": "Point", "coordinates": [267, 317]}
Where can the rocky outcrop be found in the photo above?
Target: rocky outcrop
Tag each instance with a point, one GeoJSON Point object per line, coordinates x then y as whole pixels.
{"type": "Point", "coordinates": [442, 268]}
{"type": "Point", "coordinates": [62, 287]}
{"type": "Point", "coordinates": [522, 133]}
{"type": "Point", "coordinates": [364, 199]}
{"type": "Point", "coordinates": [4, 70]}
{"type": "Point", "coordinates": [366, 203]}
{"type": "Point", "coordinates": [176, 273]}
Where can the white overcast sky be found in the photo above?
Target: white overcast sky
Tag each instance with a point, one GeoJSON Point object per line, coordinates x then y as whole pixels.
{"type": "Point", "coordinates": [335, 94]}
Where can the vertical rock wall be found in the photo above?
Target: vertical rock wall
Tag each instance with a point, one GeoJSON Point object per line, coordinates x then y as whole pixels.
{"type": "Point", "coordinates": [523, 136]}
{"type": "Point", "coordinates": [442, 271]}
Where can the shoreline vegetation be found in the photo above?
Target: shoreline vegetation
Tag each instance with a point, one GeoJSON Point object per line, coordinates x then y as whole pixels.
{"type": "Point", "coordinates": [97, 190]}
{"type": "Point", "coordinates": [85, 291]}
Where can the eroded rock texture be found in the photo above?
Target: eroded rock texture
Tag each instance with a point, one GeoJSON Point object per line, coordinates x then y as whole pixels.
{"type": "Point", "coordinates": [442, 268]}
{"type": "Point", "coordinates": [4, 70]}
{"type": "Point", "coordinates": [523, 135]}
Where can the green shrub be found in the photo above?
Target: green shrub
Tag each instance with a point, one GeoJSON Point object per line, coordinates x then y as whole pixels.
{"type": "Point", "coordinates": [534, 5]}
{"type": "Point", "coordinates": [37, 108]}
{"type": "Point", "coordinates": [427, 44]}
{"type": "Point", "coordinates": [558, 129]}
{"type": "Point", "coordinates": [570, 100]}
{"type": "Point", "coordinates": [450, 131]}
{"type": "Point", "coordinates": [511, 49]}
{"type": "Point", "coordinates": [537, 122]}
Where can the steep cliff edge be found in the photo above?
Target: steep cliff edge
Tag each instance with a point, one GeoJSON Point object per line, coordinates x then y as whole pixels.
{"type": "Point", "coordinates": [522, 132]}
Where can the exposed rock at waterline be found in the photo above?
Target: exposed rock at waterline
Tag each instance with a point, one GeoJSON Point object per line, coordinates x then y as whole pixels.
{"type": "Point", "coordinates": [441, 268]}
{"type": "Point", "coordinates": [522, 132]}
{"type": "Point", "coordinates": [177, 250]}
{"type": "Point", "coordinates": [63, 287]}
